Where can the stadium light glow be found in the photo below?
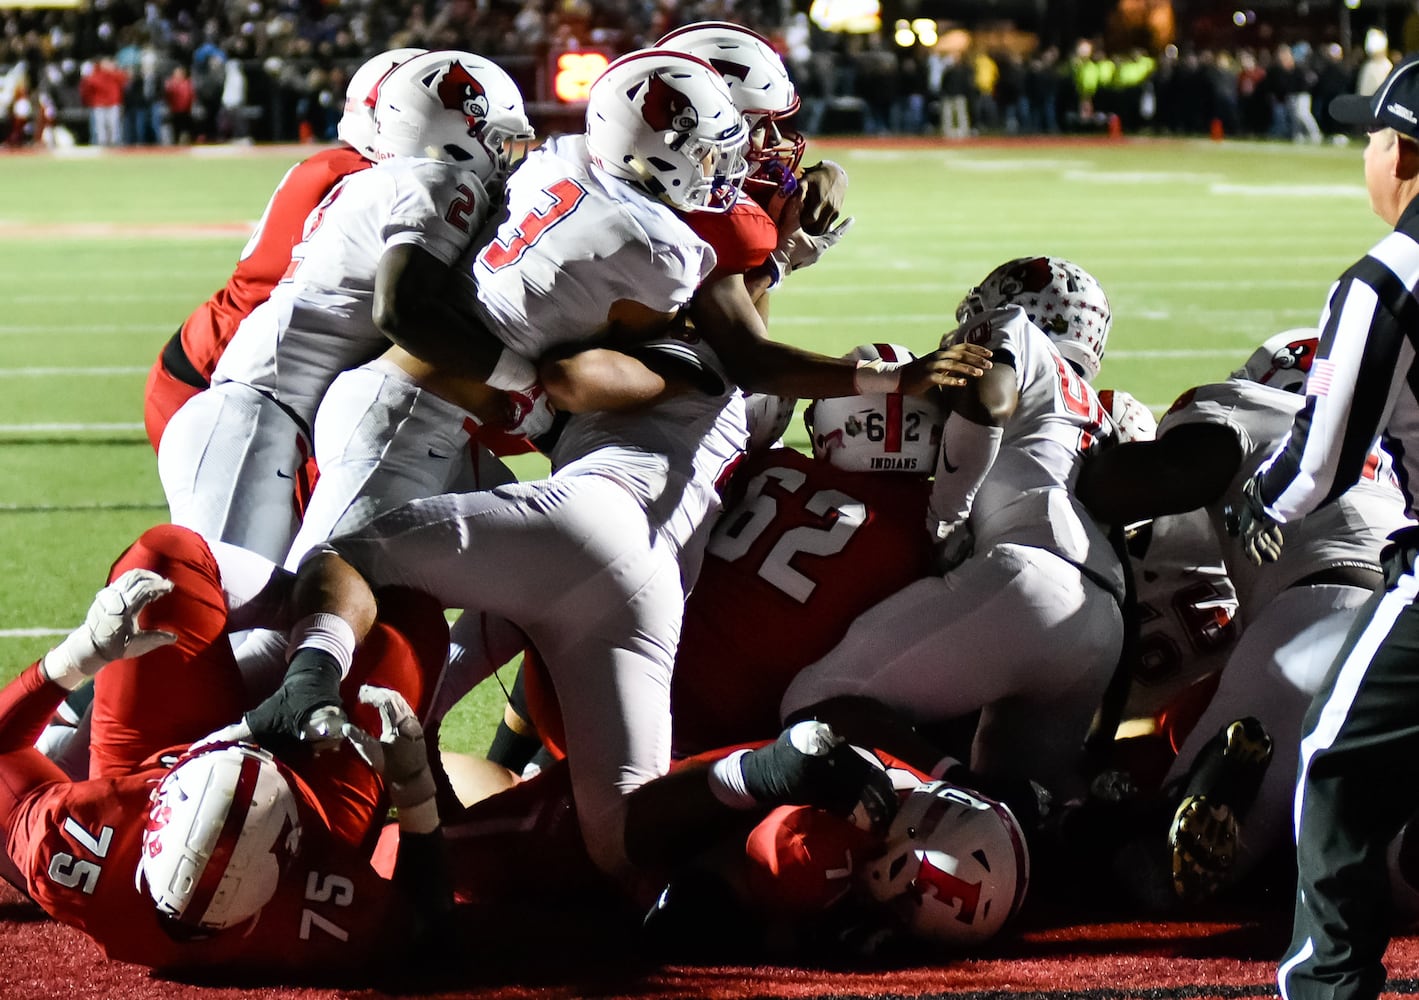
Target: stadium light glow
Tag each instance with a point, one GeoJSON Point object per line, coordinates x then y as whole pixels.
{"type": "Point", "coordinates": [859, 17]}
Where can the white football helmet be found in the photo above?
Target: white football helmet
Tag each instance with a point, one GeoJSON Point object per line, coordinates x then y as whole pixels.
{"type": "Point", "coordinates": [1283, 361]}
{"type": "Point", "coordinates": [221, 828]}
{"type": "Point", "coordinates": [356, 125]}
{"type": "Point", "coordinates": [760, 86]}
{"type": "Point", "coordinates": [876, 431]}
{"type": "Point", "coordinates": [658, 118]}
{"type": "Point", "coordinates": [1132, 420]}
{"type": "Point", "coordinates": [955, 868]}
{"type": "Point", "coordinates": [1061, 298]}
{"type": "Point", "coordinates": [453, 106]}
{"type": "Point", "coordinates": [769, 416]}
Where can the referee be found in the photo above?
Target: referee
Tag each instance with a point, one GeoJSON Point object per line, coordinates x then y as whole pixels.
{"type": "Point", "coordinates": [1359, 764]}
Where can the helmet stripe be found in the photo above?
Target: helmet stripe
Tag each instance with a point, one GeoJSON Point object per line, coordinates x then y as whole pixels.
{"type": "Point", "coordinates": [232, 826]}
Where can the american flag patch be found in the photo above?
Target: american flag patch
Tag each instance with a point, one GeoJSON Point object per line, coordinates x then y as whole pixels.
{"type": "Point", "coordinates": [1322, 371]}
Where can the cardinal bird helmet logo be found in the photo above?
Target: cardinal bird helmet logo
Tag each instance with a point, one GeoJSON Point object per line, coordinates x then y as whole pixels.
{"type": "Point", "coordinates": [666, 109]}
{"type": "Point", "coordinates": [459, 91]}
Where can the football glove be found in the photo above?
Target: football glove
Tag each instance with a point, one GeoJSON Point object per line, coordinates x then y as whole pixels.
{"type": "Point", "coordinates": [306, 708]}
{"type": "Point", "coordinates": [811, 765]}
{"type": "Point", "coordinates": [531, 413]}
{"type": "Point", "coordinates": [800, 249]}
{"type": "Point", "coordinates": [954, 542]}
{"type": "Point", "coordinates": [110, 630]}
{"type": "Point", "coordinates": [1261, 536]}
{"type": "Point", "coordinates": [399, 755]}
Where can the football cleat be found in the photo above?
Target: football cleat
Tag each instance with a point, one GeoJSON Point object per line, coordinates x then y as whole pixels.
{"type": "Point", "coordinates": [1205, 830]}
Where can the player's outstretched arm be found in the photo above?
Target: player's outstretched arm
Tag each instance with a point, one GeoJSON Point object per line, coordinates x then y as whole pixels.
{"type": "Point", "coordinates": [725, 316]}
{"type": "Point", "coordinates": [1188, 467]}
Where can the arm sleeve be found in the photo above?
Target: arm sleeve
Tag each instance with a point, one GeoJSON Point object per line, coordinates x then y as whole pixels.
{"type": "Point", "coordinates": [26, 704]}
{"type": "Point", "coordinates": [1349, 394]}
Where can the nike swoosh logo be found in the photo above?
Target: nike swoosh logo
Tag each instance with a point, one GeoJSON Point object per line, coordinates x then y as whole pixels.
{"type": "Point", "coordinates": [282, 475]}
{"type": "Point", "coordinates": [434, 454]}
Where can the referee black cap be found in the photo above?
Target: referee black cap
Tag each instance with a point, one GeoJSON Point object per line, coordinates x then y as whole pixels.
{"type": "Point", "coordinates": [1395, 105]}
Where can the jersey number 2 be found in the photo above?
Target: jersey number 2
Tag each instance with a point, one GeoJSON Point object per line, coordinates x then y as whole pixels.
{"type": "Point", "coordinates": [740, 528]}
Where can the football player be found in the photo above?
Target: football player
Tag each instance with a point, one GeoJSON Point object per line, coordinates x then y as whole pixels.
{"type": "Point", "coordinates": [791, 883]}
{"type": "Point", "coordinates": [1185, 614]}
{"type": "Point", "coordinates": [803, 547]}
{"type": "Point", "coordinates": [228, 459]}
{"type": "Point", "coordinates": [604, 259]}
{"type": "Point", "coordinates": [1294, 612]}
{"type": "Point", "coordinates": [184, 366]}
{"type": "Point", "coordinates": [1021, 564]}
{"type": "Point", "coordinates": [220, 856]}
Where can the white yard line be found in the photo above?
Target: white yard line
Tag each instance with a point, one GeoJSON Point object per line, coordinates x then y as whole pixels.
{"type": "Point", "coordinates": [33, 330]}
{"type": "Point", "coordinates": [65, 428]}
{"type": "Point", "coordinates": [51, 372]}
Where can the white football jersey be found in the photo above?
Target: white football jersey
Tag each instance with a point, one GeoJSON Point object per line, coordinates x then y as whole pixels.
{"type": "Point", "coordinates": [1028, 496]}
{"type": "Point", "coordinates": [1352, 529]}
{"type": "Point", "coordinates": [672, 456]}
{"type": "Point", "coordinates": [571, 241]}
{"type": "Point", "coordinates": [1186, 605]}
{"type": "Point", "coordinates": [318, 320]}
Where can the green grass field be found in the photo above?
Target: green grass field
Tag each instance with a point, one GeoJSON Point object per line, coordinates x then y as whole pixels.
{"type": "Point", "coordinates": [1204, 249]}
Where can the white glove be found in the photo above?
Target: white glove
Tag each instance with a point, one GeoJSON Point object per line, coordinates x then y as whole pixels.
{"type": "Point", "coordinates": [400, 756]}
{"type": "Point", "coordinates": [799, 249]}
{"type": "Point", "coordinates": [110, 630]}
{"type": "Point", "coordinates": [531, 411]}
{"type": "Point", "coordinates": [954, 542]}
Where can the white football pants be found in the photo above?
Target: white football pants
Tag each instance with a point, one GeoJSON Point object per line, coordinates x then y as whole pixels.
{"type": "Point", "coordinates": [1015, 631]}
{"type": "Point", "coordinates": [1273, 673]}
{"type": "Point", "coordinates": [575, 564]}
{"type": "Point", "coordinates": [228, 463]}
{"type": "Point", "coordinates": [381, 441]}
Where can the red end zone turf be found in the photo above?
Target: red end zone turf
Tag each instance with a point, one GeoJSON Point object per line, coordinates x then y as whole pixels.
{"type": "Point", "coordinates": [40, 960]}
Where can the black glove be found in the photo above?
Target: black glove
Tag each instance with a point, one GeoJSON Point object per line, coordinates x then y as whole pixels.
{"type": "Point", "coordinates": [809, 764]}
{"type": "Point", "coordinates": [305, 707]}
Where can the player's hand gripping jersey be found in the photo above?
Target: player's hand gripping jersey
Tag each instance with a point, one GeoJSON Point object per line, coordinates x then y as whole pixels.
{"type": "Point", "coordinates": [571, 243]}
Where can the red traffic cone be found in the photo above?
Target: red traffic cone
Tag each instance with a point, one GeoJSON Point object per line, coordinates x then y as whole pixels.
{"type": "Point", "coordinates": [1216, 130]}
{"type": "Point", "coordinates": [1115, 127]}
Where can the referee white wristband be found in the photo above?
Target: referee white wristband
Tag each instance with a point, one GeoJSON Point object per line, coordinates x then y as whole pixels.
{"type": "Point", "coordinates": [876, 376]}
{"type": "Point", "coordinates": [512, 373]}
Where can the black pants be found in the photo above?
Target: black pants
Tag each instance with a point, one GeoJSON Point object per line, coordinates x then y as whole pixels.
{"type": "Point", "coordinates": [1358, 785]}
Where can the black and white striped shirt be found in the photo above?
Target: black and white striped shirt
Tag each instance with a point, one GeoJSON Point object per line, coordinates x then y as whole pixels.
{"type": "Point", "coordinates": [1363, 385]}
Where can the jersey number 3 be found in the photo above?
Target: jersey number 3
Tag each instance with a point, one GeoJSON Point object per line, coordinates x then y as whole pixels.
{"type": "Point", "coordinates": [565, 196]}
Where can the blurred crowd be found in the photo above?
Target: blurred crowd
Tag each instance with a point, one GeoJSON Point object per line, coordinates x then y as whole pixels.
{"type": "Point", "coordinates": [121, 72]}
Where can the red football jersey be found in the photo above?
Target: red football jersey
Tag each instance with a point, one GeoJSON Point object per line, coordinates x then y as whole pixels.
{"type": "Point", "coordinates": [77, 845]}
{"type": "Point", "coordinates": [801, 550]}
{"type": "Point", "coordinates": [742, 238]}
{"type": "Point", "coordinates": [266, 255]}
